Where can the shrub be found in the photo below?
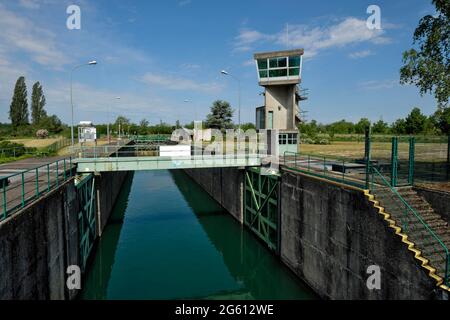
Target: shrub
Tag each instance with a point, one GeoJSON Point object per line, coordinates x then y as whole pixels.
{"type": "Point", "coordinates": [42, 133]}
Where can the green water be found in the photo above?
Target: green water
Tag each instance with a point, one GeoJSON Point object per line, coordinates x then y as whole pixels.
{"type": "Point", "coordinates": [167, 239]}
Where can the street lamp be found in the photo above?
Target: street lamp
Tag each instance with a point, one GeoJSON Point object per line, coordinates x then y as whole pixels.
{"type": "Point", "coordinates": [226, 73]}
{"type": "Point", "coordinates": [90, 63]}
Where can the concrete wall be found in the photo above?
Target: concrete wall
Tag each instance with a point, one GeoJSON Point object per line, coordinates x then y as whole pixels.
{"type": "Point", "coordinates": [225, 185]}
{"type": "Point", "coordinates": [36, 246]}
{"type": "Point", "coordinates": [108, 185]}
{"type": "Point", "coordinates": [38, 243]}
{"type": "Point", "coordinates": [331, 234]}
{"type": "Point", "coordinates": [439, 201]}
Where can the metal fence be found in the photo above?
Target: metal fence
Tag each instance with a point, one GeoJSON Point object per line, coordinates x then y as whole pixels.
{"type": "Point", "coordinates": [336, 169]}
{"type": "Point", "coordinates": [19, 189]}
{"type": "Point", "coordinates": [16, 152]}
{"type": "Point", "coordinates": [411, 223]}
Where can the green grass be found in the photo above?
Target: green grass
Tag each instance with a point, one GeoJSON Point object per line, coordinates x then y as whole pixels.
{"type": "Point", "coordinates": [12, 159]}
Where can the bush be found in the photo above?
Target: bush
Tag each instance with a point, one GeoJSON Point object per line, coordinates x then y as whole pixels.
{"type": "Point", "coordinates": [12, 149]}
{"type": "Point", "coordinates": [42, 134]}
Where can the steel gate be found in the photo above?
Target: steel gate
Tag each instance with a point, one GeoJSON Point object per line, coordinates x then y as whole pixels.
{"type": "Point", "coordinates": [86, 217]}
{"type": "Point", "coordinates": [261, 206]}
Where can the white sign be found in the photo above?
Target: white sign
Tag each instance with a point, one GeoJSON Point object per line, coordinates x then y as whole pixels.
{"type": "Point", "coordinates": [87, 134]}
{"type": "Point", "coordinates": [175, 151]}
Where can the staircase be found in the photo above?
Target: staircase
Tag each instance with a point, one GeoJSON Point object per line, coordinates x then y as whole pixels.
{"type": "Point", "coordinates": [415, 229]}
{"type": "Point", "coordinates": [426, 229]}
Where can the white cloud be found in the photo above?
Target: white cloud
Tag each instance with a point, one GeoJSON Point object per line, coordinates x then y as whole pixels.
{"type": "Point", "coordinates": [314, 39]}
{"type": "Point", "coordinates": [379, 84]}
{"type": "Point", "coordinates": [360, 54]}
{"type": "Point", "coordinates": [178, 83]}
{"type": "Point", "coordinates": [20, 34]}
{"type": "Point", "coordinates": [249, 63]}
{"type": "Point", "coordinates": [183, 3]}
{"type": "Point", "coordinates": [29, 4]}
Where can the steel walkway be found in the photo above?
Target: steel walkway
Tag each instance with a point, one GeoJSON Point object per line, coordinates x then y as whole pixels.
{"type": "Point", "coordinates": [85, 165]}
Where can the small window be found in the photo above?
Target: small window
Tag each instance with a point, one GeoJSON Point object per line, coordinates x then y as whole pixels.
{"type": "Point", "coordinates": [262, 64]}
{"type": "Point", "coordinates": [278, 63]}
{"type": "Point", "coordinates": [294, 61]}
{"type": "Point", "coordinates": [294, 71]}
{"type": "Point", "coordinates": [278, 73]}
{"type": "Point", "coordinates": [263, 74]}
{"type": "Point", "coordinates": [282, 139]}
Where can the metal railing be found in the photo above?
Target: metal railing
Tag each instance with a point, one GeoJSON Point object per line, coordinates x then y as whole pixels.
{"type": "Point", "coordinates": [19, 151]}
{"type": "Point", "coordinates": [335, 169]}
{"type": "Point", "coordinates": [19, 189]}
{"type": "Point", "coordinates": [412, 223]}
{"type": "Point", "coordinates": [15, 152]}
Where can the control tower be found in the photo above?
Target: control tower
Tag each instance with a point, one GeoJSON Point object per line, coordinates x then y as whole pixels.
{"type": "Point", "coordinates": [279, 72]}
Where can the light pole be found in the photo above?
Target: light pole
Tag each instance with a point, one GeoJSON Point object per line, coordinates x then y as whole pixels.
{"type": "Point", "coordinates": [71, 93]}
{"type": "Point", "coordinates": [226, 73]}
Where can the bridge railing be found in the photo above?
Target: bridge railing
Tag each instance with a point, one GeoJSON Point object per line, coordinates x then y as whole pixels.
{"type": "Point", "coordinates": [336, 169]}
{"type": "Point", "coordinates": [19, 189]}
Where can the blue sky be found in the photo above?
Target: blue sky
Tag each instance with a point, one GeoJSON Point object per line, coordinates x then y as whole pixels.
{"type": "Point", "coordinates": [157, 54]}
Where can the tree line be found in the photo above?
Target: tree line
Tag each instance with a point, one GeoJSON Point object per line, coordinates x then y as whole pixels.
{"type": "Point", "coordinates": [19, 113]}
{"type": "Point", "coordinates": [415, 123]}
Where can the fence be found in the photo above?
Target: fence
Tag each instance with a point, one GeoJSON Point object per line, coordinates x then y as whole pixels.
{"type": "Point", "coordinates": [412, 223]}
{"type": "Point", "coordinates": [16, 152]}
{"type": "Point", "coordinates": [336, 169]}
{"type": "Point", "coordinates": [19, 189]}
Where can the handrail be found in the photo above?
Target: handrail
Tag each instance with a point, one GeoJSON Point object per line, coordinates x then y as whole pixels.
{"type": "Point", "coordinates": [31, 184]}
{"type": "Point", "coordinates": [446, 256]}
{"type": "Point", "coordinates": [314, 163]}
{"type": "Point", "coordinates": [411, 209]}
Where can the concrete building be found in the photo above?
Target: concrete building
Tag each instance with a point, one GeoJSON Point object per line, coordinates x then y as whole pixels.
{"type": "Point", "coordinates": [279, 73]}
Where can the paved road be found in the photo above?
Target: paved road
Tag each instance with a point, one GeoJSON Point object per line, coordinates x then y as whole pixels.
{"type": "Point", "coordinates": [35, 182]}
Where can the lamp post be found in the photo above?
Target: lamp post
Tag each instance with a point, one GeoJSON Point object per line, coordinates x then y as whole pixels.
{"type": "Point", "coordinates": [71, 94]}
{"type": "Point", "coordinates": [226, 73]}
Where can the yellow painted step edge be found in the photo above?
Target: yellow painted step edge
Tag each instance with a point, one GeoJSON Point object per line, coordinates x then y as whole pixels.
{"type": "Point", "coordinates": [411, 246]}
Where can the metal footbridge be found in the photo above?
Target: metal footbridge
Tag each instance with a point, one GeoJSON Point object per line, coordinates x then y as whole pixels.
{"type": "Point", "coordinates": [136, 157]}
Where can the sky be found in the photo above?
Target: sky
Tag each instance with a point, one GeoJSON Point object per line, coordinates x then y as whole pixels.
{"type": "Point", "coordinates": [163, 58]}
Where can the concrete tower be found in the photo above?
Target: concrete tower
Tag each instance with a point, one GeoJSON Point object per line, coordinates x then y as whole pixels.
{"type": "Point", "coordinates": [279, 73]}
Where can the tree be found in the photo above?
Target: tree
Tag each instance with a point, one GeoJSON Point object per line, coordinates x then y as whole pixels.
{"type": "Point", "coordinates": [442, 120]}
{"type": "Point", "coordinates": [52, 123]}
{"type": "Point", "coordinates": [361, 126]}
{"type": "Point", "coordinates": [143, 126]}
{"type": "Point", "coordinates": [428, 67]}
{"type": "Point", "coordinates": [415, 122]}
{"type": "Point", "coordinates": [399, 126]}
{"type": "Point", "coordinates": [380, 127]}
{"type": "Point", "coordinates": [247, 126]}
{"type": "Point", "coordinates": [220, 116]}
{"type": "Point", "coordinates": [18, 110]}
{"type": "Point", "coordinates": [37, 104]}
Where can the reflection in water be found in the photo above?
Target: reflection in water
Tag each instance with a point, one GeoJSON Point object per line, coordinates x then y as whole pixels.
{"type": "Point", "coordinates": [176, 242]}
